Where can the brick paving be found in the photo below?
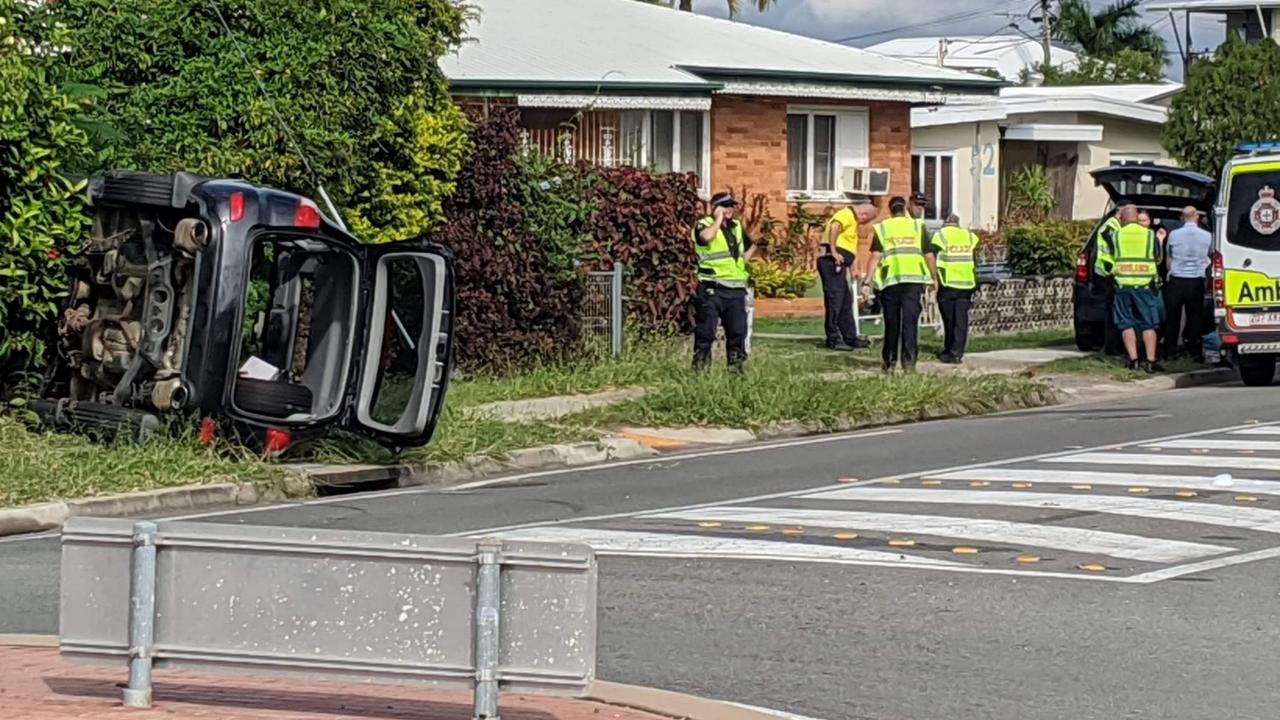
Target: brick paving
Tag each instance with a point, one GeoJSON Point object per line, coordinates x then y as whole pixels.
{"type": "Point", "coordinates": [37, 684]}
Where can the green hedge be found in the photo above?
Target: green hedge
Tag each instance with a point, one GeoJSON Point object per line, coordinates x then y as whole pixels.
{"type": "Point", "coordinates": [1047, 248]}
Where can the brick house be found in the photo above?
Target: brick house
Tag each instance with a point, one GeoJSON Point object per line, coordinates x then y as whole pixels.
{"type": "Point", "coordinates": [800, 120]}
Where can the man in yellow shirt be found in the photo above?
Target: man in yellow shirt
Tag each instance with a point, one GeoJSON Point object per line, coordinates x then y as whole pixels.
{"type": "Point", "coordinates": [834, 265]}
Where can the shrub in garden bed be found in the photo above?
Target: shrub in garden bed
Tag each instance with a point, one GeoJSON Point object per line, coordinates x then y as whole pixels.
{"type": "Point", "coordinates": [644, 221]}
{"type": "Point", "coordinates": [774, 280]}
{"type": "Point", "coordinates": [1046, 248]}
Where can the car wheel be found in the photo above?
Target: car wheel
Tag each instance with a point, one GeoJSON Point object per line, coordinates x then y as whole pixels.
{"type": "Point", "coordinates": [1089, 336]}
{"type": "Point", "coordinates": [273, 399]}
{"type": "Point", "coordinates": [1257, 371]}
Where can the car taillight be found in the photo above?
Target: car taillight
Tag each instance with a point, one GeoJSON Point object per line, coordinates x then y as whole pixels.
{"type": "Point", "coordinates": [306, 216]}
{"type": "Point", "coordinates": [1230, 339]}
{"type": "Point", "coordinates": [1082, 267]}
{"type": "Point", "coordinates": [236, 203]}
{"type": "Point", "coordinates": [277, 441]}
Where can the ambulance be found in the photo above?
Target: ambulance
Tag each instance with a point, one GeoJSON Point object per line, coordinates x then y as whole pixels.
{"type": "Point", "coordinates": [1246, 261]}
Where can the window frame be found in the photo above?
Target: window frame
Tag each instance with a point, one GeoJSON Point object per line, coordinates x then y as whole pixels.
{"type": "Point", "coordinates": [918, 156]}
{"type": "Point", "coordinates": [647, 153]}
{"type": "Point", "coordinates": [839, 152]}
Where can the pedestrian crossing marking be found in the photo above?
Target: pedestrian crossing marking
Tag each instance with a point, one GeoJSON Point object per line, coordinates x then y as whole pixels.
{"type": "Point", "coordinates": [1263, 430]}
{"type": "Point", "coordinates": [1202, 444]}
{"type": "Point", "coordinates": [651, 544]}
{"type": "Point", "coordinates": [1023, 535]}
{"type": "Point", "coordinates": [1258, 519]}
{"type": "Point", "coordinates": [1235, 463]}
{"type": "Point", "coordinates": [1113, 479]}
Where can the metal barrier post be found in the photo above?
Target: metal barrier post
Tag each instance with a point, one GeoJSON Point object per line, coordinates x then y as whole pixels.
{"type": "Point", "coordinates": [488, 611]}
{"type": "Point", "coordinates": [615, 310]}
{"type": "Point", "coordinates": [142, 615]}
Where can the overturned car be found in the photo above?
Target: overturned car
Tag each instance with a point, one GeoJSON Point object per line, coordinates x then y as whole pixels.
{"type": "Point", "coordinates": [246, 307]}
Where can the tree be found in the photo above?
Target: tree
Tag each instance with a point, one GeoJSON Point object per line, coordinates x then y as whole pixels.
{"type": "Point", "coordinates": [1127, 66]}
{"type": "Point", "coordinates": [43, 138]}
{"type": "Point", "coordinates": [347, 89]}
{"type": "Point", "coordinates": [1105, 33]}
{"type": "Point", "coordinates": [735, 6]}
{"type": "Point", "coordinates": [1230, 99]}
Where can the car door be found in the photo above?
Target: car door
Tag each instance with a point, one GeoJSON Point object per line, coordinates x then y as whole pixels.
{"type": "Point", "coordinates": [1249, 243]}
{"type": "Point", "coordinates": [404, 347]}
{"type": "Point", "coordinates": [1157, 186]}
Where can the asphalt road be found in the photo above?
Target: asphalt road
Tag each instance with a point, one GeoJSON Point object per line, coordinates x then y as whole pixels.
{"type": "Point", "coordinates": [1182, 623]}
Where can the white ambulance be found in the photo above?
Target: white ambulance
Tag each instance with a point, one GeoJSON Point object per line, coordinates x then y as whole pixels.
{"type": "Point", "coordinates": [1246, 261]}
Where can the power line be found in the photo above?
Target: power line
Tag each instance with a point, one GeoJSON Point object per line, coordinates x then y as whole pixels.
{"type": "Point", "coordinates": [956, 17]}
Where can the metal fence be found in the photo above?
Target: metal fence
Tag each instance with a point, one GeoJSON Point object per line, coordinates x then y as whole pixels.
{"type": "Point", "coordinates": [602, 316]}
{"type": "Point", "coordinates": [385, 607]}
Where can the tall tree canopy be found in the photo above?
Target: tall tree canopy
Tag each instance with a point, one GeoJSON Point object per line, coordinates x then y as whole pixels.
{"type": "Point", "coordinates": [1106, 32]}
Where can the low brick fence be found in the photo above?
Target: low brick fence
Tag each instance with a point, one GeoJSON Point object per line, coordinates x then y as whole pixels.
{"type": "Point", "coordinates": [1024, 304]}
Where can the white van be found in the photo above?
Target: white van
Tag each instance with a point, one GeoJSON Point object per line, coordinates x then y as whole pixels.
{"type": "Point", "coordinates": [1246, 261]}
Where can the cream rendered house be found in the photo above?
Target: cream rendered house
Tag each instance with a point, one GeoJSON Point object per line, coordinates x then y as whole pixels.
{"type": "Point", "coordinates": [963, 153]}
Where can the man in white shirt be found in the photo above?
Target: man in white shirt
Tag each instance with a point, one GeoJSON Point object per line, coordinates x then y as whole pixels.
{"type": "Point", "coordinates": [1187, 255]}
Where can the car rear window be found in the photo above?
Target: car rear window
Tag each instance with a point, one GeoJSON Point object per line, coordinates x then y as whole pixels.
{"type": "Point", "coordinates": [1253, 211]}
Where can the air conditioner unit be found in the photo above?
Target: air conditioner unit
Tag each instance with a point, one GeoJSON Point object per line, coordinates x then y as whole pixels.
{"type": "Point", "coordinates": [865, 181]}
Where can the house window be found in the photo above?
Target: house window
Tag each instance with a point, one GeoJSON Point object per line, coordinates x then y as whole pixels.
{"type": "Point", "coordinates": [934, 175]}
{"type": "Point", "coordinates": [668, 141]}
{"type": "Point", "coordinates": [821, 142]}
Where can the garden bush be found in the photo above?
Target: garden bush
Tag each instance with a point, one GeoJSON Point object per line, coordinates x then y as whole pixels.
{"type": "Point", "coordinates": [514, 231]}
{"type": "Point", "coordinates": [775, 280]}
{"type": "Point", "coordinates": [356, 81]}
{"type": "Point", "coordinates": [42, 138]}
{"type": "Point", "coordinates": [1047, 248]}
{"type": "Point", "coordinates": [644, 221]}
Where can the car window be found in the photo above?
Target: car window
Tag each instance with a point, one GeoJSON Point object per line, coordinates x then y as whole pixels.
{"type": "Point", "coordinates": [1253, 211]}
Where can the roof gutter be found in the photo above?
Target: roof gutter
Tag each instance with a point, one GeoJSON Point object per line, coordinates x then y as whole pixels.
{"type": "Point", "coordinates": [503, 87]}
{"type": "Point", "coordinates": [978, 85]}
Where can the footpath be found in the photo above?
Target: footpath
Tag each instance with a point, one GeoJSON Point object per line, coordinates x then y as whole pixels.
{"type": "Point", "coordinates": [37, 684]}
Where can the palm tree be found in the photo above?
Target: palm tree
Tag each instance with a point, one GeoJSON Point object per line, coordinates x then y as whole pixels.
{"type": "Point", "coordinates": [1105, 33]}
{"type": "Point", "coordinates": [735, 6]}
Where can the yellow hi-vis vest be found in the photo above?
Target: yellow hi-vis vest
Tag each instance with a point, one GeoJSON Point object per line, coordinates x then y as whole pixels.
{"type": "Point", "coordinates": [955, 248]}
{"type": "Point", "coordinates": [903, 260]}
{"type": "Point", "coordinates": [715, 261]}
{"type": "Point", "coordinates": [1130, 258]}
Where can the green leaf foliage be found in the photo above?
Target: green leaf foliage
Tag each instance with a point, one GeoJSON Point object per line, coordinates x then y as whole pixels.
{"type": "Point", "coordinates": [42, 141]}
{"type": "Point", "coordinates": [1230, 99]}
{"type": "Point", "coordinates": [1046, 248]}
{"type": "Point", "coordinates": [775, 280]}
{"type": "Point", "coordinates": [1126, 66]}
{"type": "Point", "coordinates": [355, 82]}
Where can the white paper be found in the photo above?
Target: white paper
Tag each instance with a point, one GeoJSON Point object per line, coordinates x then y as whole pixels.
{"type": "Point", "coordinates": [259, 369]}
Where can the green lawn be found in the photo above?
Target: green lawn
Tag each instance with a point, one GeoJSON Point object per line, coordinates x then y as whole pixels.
{"type": "Point", "coordinates": [1112, 368]}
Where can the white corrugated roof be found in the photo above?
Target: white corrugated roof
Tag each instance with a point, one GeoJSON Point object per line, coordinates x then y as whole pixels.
{"type": "Point", "coordinates": [1121, 101]}
{"type": "Point", "coordinates": [530, 42]}
{"type": "Point", "coordinates": [1210, 5]}
{"type": "Point", "coordinates": [1008, 55]}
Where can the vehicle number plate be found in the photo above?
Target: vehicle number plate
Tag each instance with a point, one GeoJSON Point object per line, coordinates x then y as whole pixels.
{"type": "Point", "coordinates": [1258, 319]}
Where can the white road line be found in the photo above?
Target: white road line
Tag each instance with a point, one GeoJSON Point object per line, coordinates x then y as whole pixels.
{"type": "Point", "coordinates": [1042, 457]}
{"type": "Point", "coordinates": [1129, 547]}
{"type": "Point", "coordinates": [1164, 460]}
{"type": "Point", "coordinates": [1196, 444]}
{"type": "Point", "coordinates": [1258, 430]}
{"type": "Point", "coordinates": [1248, 518]}
{"type": "Point", "coordinates": [1205, 565]}
{"type": "Point", "coordinates": [1087, 477]}
{"type": "Point", "coordinates": [650, 544]}
{"type": "Point", "coordinates": [774, 713]}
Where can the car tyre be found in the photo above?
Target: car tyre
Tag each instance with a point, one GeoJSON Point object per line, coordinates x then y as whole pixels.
{"type": "Point", "coordinates": [1257, 371]}
{"type": "Point", "coordinates": [273, 399]}
{"type": "Point", "coordinates": [1090, 336]}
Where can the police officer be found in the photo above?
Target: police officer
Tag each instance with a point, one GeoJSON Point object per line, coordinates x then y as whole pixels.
{"type": "Point", "coordinates": [834, 265]}
{"type": "Point", "coordinates": [723, 249]}
{"type": "Point", "coordinates": [1131, 256]}
{"type": "Point", "coordinates": [955, 277]}
{"type": "Point", "coordinates": [901, 273]}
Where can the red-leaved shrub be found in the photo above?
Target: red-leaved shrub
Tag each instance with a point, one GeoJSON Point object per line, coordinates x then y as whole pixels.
{"type": "Point", "coordinates": [644, 221]}
{"type": "Point", "coordinates": [518, 297]}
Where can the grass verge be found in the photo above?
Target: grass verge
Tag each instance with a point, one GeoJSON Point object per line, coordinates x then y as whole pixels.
{"type": "Point", "coordinates": [38, 466]}
{"type": "Point", "coordinates": [1111, 368]}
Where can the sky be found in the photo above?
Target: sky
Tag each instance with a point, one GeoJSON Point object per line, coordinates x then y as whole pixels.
{"type": "Point", "coordinates": [839, 19]}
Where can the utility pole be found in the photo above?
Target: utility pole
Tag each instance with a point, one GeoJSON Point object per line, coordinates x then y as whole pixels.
{"type": "Point", "coordinates": [1046, 29]}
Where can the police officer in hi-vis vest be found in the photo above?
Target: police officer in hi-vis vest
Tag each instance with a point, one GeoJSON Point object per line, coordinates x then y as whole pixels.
{"type": "Point", "coordinates": [900, 275]}
{"type": "Point", "coordinates": [723, 249]}
{"type": "Point", "coordinates": [1130, 257]}
{"type": "Point", "coordinates": [955, 276]}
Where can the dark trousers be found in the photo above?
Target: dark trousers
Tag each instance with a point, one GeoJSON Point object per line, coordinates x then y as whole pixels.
{"type": "Point", "coordinates": [715, 306]}
{"type": "Point", "coordinates": [901, 306]}
{"type": "Point", "coordinates": [1183, 294]}
{"type": "Point", "coordinates": [837, 300]}
{"type": "Point", "coordinates": [954, 305]}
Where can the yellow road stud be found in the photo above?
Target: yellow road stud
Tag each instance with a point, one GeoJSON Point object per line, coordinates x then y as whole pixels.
{"type": "Point", "coordinates": [793, 531]}
{"type": "Point", "coordinates": [1246, 499]}
{"type": "Point", "coordinates": [964, 550]}
{"type": "Point", "coordinates": [757, 528]}
{"type": "Point", "coordinates": [1020, 486]}
{"type": "Point", "coordinates": [1093, 567]}
{"type": "Point", "coordinates": [932, 483]}
{"type": "Point", "coordinates": [979, 483]}
{"type": "Point", "coordinates": [1187, 493]}
{"type": "Point", "coordinates": [848, 480]}
{"type": "Point", "coordinates": [845, 536]}
{"type": "Point", "coordinates": [708, 524]}
{"type": "Point", "coordinates": [902, 543]}
{"type": "Point", "coordinates": [1081, 487]}
{"type": "Point", "coordinates": [1028, 559]}
{"type": "Point", "coordinates": [1139, 490]}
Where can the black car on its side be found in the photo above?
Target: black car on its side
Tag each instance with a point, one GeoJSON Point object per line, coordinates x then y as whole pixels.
{"type": "Point", "coordinates": [246, 307]}
{"type": "Point", "coordinates": [1161, 191]}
